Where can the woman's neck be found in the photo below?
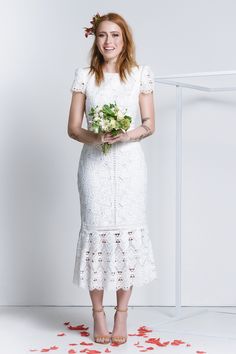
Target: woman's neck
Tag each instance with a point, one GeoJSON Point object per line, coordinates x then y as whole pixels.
{"type": "Point", "coordinates": [110, 67]}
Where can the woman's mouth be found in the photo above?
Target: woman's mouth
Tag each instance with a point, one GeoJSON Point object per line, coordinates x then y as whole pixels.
{"type": "Point", "coordinates": [109, 48]}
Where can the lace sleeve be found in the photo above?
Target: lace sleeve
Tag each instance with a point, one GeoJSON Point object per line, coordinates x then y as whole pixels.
{"type": "Point", "coordinates": [79, 83]}
{"type": "Point", "coordinates": [146, 80]}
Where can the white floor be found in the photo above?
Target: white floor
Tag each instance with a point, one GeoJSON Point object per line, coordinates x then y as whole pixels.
{"type": "Point", "coordinates": [35, 329]}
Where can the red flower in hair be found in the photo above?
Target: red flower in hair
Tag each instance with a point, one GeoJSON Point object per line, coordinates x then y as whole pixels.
{"type": "Point", "coordinates": [90, 30]}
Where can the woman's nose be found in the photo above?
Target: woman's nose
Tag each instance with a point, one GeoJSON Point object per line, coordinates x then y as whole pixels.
{"type": "Point", "coordinates": [108, 40]}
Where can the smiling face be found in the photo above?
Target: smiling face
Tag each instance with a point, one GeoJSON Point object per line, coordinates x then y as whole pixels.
{"type": "Point", "coordinates": [109, 40]}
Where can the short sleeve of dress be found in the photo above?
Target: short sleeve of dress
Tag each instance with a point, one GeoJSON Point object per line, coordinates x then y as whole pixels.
{"type": "Point", "coordinates": [79, 82]}
{"type": "Point", "coordinates": [146, 80]}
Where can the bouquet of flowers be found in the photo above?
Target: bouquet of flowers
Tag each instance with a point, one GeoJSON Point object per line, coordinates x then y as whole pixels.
{"type": "Point", "coordinates": [108, 119]}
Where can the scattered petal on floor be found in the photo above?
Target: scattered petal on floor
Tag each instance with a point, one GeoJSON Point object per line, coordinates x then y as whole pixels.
{"type": "Point", "coordinates": [142, 332]}
{"type": "Point", "coordinates": [157, 342]}
{"type": "Point", "coordinates": [177, 342]}
{"type": "Point", "coordinates": [107, 350]}
{"type": "Point", "coordinates": [78, 328]}
{"type": "Point", "coordinates": [144, 329]}
{"type": "Point", "coordinates": [66, 323]}
{"type": "Point", "coordinates": [84, 334]}
{"type": "Point", "coordinates": [200, 352]}
{"type": "Point", "coordinates": [84, 343]}
{"type": "Point", "coordinates": [88, 351]}
{"type": "Point", "coordinates": [54, 347]}
{"type": "Point", "coordinates": [115, 344]}
{"type": "Point", "coordinates": [61, 334]}
{"type": "Point", "coordinates": [73, 344]}
{"type": "Point", "coordinates": [72, 351]}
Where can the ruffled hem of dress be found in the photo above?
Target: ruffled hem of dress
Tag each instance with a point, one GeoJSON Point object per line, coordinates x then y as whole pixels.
{"type": "Point", "coordinates": [114, 258]}
{"type": "Point", "coordinates": [113, 287]}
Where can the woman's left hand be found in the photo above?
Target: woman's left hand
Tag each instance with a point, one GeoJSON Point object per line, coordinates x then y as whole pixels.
{"type": "Point", "coordinates": [119, 137]}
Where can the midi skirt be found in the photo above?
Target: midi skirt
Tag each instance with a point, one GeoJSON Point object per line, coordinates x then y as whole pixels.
{"type": "Point", "coordinates": [114, 250]}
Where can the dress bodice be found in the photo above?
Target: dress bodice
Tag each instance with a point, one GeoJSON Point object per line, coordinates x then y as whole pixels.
{"type": "Point", "coordinates": [112, 89]}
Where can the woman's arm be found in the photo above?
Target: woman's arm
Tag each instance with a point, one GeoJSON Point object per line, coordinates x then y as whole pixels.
{"type": "Point", "coordinates": [148, 121]}
{"type": "Point", "coordinates": [147, 116]}
{"type": "Point", "coordinates": [76, 114]}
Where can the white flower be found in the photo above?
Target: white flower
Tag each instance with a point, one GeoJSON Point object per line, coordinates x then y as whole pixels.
{"type": "Point", "coordinates": [120, 115]}
{"type": "Point", "coordinates": [96, 119]}
{"type": "Point", "coordinates": [96, 116]}
{"type": "Point", "coordinates": [112, 123]}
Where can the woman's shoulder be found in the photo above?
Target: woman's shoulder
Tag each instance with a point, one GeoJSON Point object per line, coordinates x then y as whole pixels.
{"type": "Point", "coordinates": [80, 79]}
{"type": "Point", "coordinates": [83, 70]}
{"type": "Point", "coordinates": [147, 79]}
{"type": "Point", "coordinates": [145, 68]}
{"type": "Point", "coordinates": [142, 70]}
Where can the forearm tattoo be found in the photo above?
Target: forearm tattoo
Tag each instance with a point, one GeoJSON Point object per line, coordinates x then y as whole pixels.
{"type": "Point", "coordinates": [147, 132]}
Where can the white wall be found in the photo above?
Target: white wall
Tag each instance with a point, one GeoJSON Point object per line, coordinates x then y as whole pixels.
{"type": "Point", "coordinates": [42, 42]}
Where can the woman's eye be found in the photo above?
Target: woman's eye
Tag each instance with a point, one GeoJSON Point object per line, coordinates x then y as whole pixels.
{"type": "Point", "coordinates": [113, 35]}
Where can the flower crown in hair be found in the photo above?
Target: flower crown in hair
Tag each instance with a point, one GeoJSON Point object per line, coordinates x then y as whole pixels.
{"type": "Point", "coordinates": [91, 30]}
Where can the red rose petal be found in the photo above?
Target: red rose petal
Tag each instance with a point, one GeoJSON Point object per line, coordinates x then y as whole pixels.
{"type": "Point", "coordinates": [84, 343]}
{"type": "Point", "coordinates": [88, 351]}
{"type": "Point", "coordinates": [73, 344]}
{"type": "Point", "coordinates": [157, 342]}
{"type": "Point", "coordinates": [177, 342]}
{"type": "Point", "coordinates": [66, 323]}
{"type": "Point", "coordinates": [200, 352]}
{"type": "Point", "coordinates": [72, 351]}
{"type": "Point", "coordinates": [84, 334]}
{"type": "Point", "coordinates": [33, 350]}
{"type": "Point", "coordinates": [61, 334]}
{"type": "Point", "coordinates": [45, 350]}
{"type": "Point", "coordinates": [54, 347]}
{"type": "Point", "coordinates": [150, 348]}
{"type": "Point", "coordinates": [78, 328]}
{"type": "Point", "coordinates": [144, 329]}
{"type": "Point", "coordinates": [107, 350]}
{"type": "Point", "coordinates": [115, 344]}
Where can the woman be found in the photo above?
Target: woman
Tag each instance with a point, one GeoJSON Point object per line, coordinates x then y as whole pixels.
{"type": "Point", "coordinates": [114, 251]}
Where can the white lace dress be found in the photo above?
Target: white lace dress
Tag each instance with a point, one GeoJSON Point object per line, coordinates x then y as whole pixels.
{"type": "Point", "coordinates": [114, 250]}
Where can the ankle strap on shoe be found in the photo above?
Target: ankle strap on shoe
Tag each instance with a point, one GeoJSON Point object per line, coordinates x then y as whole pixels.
{"type": "Point", "coordinates": [122, 310]}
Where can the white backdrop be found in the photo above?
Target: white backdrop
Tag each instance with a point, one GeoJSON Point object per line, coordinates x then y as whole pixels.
{"type": "Point", "coordinates": [42, 42]}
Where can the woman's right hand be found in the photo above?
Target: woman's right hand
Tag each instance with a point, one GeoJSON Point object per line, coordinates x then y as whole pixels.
{"type": "Point", "coordinates": [102, 138]}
